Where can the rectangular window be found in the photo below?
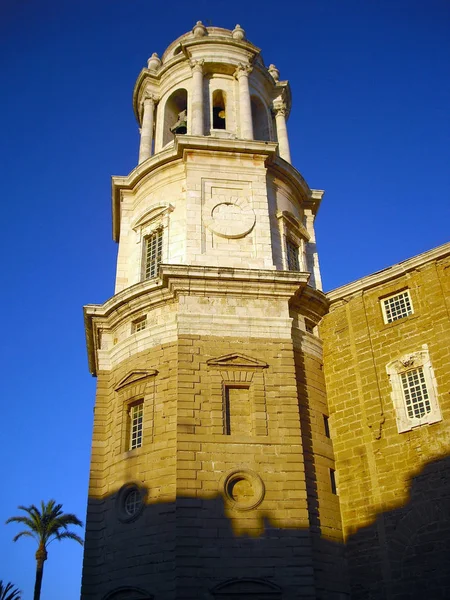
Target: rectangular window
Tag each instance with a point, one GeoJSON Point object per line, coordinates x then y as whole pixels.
{"type": "Point", "coordinates": [326, 426]}
{"type": "Point", "coordinates": [414, 390]}
{"type": "Point", "coordinates": [292, 256]}
{"type": "Point", "coordinates": [153, 253]}
{"type": "Point", "coordinates": [139, 324]}
{"type": "Point", "coordinates": [136, 416]}
{"type": "Point", "coordinates": [416, 393]}
{"type": "Point", "coordinates": [397, 306]}
{"type": "Point", "coordinates": [237, 410]}
{"type": "Point", "coordinates": [333, 481]}
{"type": "Point", "coordinates": [309, 326]}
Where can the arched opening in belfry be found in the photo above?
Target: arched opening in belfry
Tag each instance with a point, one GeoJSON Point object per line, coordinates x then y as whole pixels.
{"type": "Point", "coordinates": [175, 115]}
{"type": "Point", "coordinates": [218, 110]}
{"type": "Point", "coordinates": [260, 119]}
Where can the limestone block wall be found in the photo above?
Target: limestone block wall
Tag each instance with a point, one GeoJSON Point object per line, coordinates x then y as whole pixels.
{"type": "Point", "coordinates": [393, 487]}
{"type": "Point", "coordinates": [220, 504]}
{"type": "Point", "coordinates": [215, 206]}
{"type": "Point", "coordinates": [234, 467]}
{"type": "Point", "coordinates": [117, 554]}
{"type": "Point", "coordinates": [152, 206]}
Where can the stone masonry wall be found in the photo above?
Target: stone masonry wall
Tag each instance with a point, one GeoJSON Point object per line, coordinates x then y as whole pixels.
{"type": "Point", "coordinates": [394, 488]}
{"type": "Point", "coordinates": [220, 505]}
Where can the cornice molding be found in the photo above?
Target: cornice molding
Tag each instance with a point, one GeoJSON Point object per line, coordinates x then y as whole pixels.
{"type": "Point", "coordinates": [176, 280]}
{"type": "Point", "coordinates": [183, 143]}
{"type": "Point", "coordinates": [388, 274]}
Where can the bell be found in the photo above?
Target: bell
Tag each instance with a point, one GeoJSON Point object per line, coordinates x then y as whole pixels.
{"type": "Point", "coordinates": [180, 127]}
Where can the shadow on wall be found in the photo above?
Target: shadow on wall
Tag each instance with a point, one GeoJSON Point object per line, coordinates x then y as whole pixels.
{"type": "Point", "coordinates": [405, 553]}
{"type": "Point", "coordinates": [197, 548]}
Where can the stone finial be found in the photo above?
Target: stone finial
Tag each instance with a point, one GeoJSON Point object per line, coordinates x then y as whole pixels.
{"type": "Point", "coordinates": [274, 72]}
{"type": "Point", "coordinates": [238, 33]}
{"type": "Point", "coordinates": [199, 30]}
{"type": "Point", "coordinates": [154, 62]}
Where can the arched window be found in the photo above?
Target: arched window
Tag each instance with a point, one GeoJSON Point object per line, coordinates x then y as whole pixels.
{"type": "Point", "coordinates": [218, 110]}
{"type": "Point", "coordinates": [260, 118]}
{"type": "Point", "coordinates": [175, 115]}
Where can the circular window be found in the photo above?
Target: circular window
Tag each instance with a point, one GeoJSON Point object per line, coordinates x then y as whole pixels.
{"type": "Point", "coordinates": [243, 489]}
{"type": "Point", "coordinates": [129, 503]}
{"type": "Point", "coordinates": [132, 502]}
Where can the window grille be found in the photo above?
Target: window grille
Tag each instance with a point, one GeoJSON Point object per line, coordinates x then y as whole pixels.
{"type": "Point", "coordinates": [136, 422]}
{"type": "Point", "coordinates": [153, 253]}
{"type": "Point", "coordinates": [396, 307]}
{"type": "Point", "coordinates": [414, 390]}
{"type": "Point", "coordinates": [292, 256]}
{"type": "Point", "coordinates": [139, 325]}
{"type": "Point", "coordinates": [416, 393]}
{"type": "Point", "coordinates": [132, 502]}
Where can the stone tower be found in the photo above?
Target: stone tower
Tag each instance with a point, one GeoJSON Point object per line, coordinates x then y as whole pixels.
{"type": "Point", "coordinates": [212, 472]}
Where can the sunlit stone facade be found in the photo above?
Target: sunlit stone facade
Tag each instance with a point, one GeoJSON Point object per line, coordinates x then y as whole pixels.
{"type": "Point", "coordinates": [211, 465]}
{"type": "Point", "coordinates": [213, 473]}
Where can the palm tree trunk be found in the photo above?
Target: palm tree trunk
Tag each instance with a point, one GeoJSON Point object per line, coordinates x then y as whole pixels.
{"type": "Point", "coordinates": [41, 557]}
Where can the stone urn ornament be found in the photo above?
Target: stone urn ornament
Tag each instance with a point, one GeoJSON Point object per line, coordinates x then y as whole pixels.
{"type": "Point", "coordinates": [274, 72]}
{"type": "Point", "coordinates": [238, 33]}
{"type": "Point", "coordinates": [154, 62]}
{"type": "Point", "coordinates": [199, 30]}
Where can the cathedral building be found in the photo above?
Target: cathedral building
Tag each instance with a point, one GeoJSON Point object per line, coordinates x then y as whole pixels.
{"type": "Point", "coordinates": [240, 411]}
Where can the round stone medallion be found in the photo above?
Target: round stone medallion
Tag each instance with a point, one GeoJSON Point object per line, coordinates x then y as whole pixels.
{"type": "Point", "coordinates": [230, 217]}
{"type": "Point", "coordinates": [243, 489]}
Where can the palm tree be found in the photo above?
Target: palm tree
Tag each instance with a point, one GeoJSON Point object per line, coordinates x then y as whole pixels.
{"type": "Point", "coordinates": [45, 525]}
{"type": "Point", "coordinates": [9, 592]}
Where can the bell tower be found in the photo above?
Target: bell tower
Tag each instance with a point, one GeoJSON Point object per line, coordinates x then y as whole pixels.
{"type": "Point", "coordinates": [212, 472]}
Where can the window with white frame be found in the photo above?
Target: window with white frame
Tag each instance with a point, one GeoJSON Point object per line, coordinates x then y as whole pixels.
{"type": "Point", "coordinates": [397, 306]}
{"type": "Point", "coordinates": [139, 324]}
{"type": "Point", "coordinates": [135, 424]}
{"type": "Point", "coordinates": [414, 390]}
{"type": "Point", "coordinates": [152, 253]}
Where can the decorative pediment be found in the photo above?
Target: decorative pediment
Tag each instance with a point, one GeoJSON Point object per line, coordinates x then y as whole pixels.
{"type": "Point", "coordinates": [236, 360]}
{"type": "Point", "coordinates": [154, 213]}
{"type": "Point", "coordinates": [294, 224]}
{"type": "Point", "coordinates": [135, 377]}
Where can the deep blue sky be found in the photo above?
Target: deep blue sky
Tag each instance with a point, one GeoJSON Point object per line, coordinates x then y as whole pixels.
{"type": "Point", "coordinates": [370, 125]}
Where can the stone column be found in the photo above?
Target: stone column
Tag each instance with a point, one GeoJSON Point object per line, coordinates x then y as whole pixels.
{"type": "Point", "coordinates": [282, 134]}
{"type": "Point", "coordinates": [245, 106]}
{"type": "Point", "coordinates": [196, 116]}
{"type": "Point", "coordinates": [145, 149]}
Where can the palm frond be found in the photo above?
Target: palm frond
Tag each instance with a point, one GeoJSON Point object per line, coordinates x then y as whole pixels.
{"type": "Point", "coordinates": [47, 522]}
{"type": "Point", "coordinates": [25, 520]}
{"type": "Point", "coordinates": [25, 533]}
{"type": "Point", "coordinates": [9, 592]}
{"type": "Point", "coordinates": [70, 536]}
